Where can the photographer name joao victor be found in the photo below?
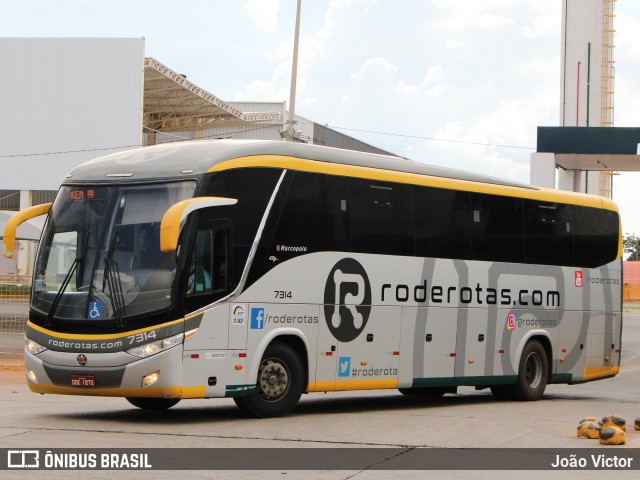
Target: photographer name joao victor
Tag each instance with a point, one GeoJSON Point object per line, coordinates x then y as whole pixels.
{"type": "Point", "coordinates": [591, 461]}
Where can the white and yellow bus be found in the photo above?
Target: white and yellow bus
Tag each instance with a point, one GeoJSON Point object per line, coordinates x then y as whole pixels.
{"type": "Point", "coordinates": [265, 270]}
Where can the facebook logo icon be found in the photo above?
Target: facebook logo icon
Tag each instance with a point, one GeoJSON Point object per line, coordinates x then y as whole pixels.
{"type": "Point", "coordinates": [257, 318]}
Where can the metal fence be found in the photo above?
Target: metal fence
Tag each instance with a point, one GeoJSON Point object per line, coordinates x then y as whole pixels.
{"type": "Point", "coordinates": [15, 287]}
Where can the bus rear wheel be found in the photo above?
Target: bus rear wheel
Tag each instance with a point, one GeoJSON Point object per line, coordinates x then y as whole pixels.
{"type": "Point", "coordinates": [533, 373]}
{"type": "Point", "coordinates": [279, 385]}
{"type": "Point", "coordinates": [153, 403]}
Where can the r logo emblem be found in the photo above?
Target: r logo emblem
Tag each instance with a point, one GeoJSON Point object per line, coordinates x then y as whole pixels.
{"type": "Point", "coordinates": [347, 300]}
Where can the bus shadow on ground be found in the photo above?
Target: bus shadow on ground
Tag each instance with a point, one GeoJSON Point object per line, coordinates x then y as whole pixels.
{"type": "Point", "coordinates": [313, 405]}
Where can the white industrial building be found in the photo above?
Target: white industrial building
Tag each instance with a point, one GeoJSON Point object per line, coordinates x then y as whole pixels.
{"type": "Point", "coordinates": [68, 100]}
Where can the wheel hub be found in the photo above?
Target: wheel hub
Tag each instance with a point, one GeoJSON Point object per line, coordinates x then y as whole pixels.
{"type": "Point", "coordinates": [534, 370]}
{"type": "Point", "coordinates": [273, 379]}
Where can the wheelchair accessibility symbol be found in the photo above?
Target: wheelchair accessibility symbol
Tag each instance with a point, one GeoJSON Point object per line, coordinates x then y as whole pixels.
{"type": "Point", "coordinates": [95, 310]}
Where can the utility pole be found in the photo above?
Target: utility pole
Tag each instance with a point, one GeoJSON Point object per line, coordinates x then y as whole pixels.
{"type": "Point", "coordinates": [290, 133]}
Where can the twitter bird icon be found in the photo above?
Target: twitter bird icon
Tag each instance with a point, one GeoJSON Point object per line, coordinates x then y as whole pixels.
{"type": "Point", "coordinates": [344, 366]}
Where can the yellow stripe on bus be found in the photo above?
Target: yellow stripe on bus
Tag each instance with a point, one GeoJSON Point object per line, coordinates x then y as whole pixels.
{"type": "Point", "coordinates": [593, 373]}
{"type": "Point", "coordinates": [315, 166]}
{"type": "Point", "coordinates": [106, 336]}
{"type": "Point", "coordinates": [344, 385]}
{"type": "Point", "coordinates": [148, 392]}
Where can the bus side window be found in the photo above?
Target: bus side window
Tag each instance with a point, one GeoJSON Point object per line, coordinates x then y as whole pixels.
{"type": "Point", "coordinates": [380, 217]}
{"type": "Point", "coordinates": [497, 228]}
{"type": "Point", "coordinates": [209, 261]}
{"type": "Point", "coordinates": [548, 233]}
{"type": "Point", "coordinates": [312, 219]}
{"type": "Point", "coordinates": [442, 223]}
{"type": "Point", "coordinates": [595, 236]}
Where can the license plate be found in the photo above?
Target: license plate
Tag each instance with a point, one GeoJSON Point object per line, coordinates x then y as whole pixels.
{"type": "Point", "coordinates": [83, 381]}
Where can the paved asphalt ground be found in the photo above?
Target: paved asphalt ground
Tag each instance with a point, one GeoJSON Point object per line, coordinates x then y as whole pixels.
{"type": "Point", "coordinates": [335, 421]}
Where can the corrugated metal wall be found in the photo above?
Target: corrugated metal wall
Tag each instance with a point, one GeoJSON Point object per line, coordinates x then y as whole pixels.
{"type": "Point", "coordinates": [9, 199]}
{"type": "Point", "coordinates": [325, 136]}
{"type": "Point", "coordinates": [261, 107]}
{"type": "Point", "coordinates": [256, 131]}
{"type": "Point", "coordinates": [65, 101]}
{"type": "Point", "coordinates": [249, 132]}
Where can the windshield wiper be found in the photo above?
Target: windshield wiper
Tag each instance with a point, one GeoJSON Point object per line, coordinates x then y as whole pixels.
{"type": "Point", "coordinates": [113, 281]}
{"type": "Point", "coordinates": [63, 287]}
{"type": "Point", "coordinates": [65, 282]}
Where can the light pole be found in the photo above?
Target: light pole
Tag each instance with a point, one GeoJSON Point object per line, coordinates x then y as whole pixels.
{"type": "Point", "coordinates": [290, 130]}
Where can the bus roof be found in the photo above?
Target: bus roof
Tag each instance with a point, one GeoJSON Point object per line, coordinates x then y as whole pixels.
{"type": "Point", "coordinates": [171, 160]}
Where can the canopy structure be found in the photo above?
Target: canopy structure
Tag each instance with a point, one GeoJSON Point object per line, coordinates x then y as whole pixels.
{"type": "Point", "coordinates": [592, 148]}
{"type": "Point", "coordinates": [172, 104]}
{"type": "Point", "coordinates": [568, 154]}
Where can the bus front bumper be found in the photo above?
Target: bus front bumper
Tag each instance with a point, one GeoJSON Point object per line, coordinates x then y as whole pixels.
{"type": "Point", "coordinates": [113, 375]}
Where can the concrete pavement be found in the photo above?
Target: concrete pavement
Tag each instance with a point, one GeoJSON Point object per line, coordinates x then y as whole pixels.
{"type": "Point", "coordinates": [11, 362]}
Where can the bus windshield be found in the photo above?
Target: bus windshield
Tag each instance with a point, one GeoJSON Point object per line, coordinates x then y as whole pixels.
{"type": "Point", "coordinates": [99, 257]}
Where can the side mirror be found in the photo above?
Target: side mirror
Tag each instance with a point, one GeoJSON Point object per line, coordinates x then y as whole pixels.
{"type": "Point", "coordinates": [174, 218]}
{"type": "Point", "coordinates": [9, 235]}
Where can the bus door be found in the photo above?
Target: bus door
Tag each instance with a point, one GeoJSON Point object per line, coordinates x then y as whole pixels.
{"type": "Point", "coordinates": [358, 344]}
{"type": "Point", "coordinates": [471, 351]}
{"type": "Point", "coordinates": [434, 342]}
{"type": "Point", "coordinates": [371, 359]}
{"type": "Point", "coordinates": [357, 352]}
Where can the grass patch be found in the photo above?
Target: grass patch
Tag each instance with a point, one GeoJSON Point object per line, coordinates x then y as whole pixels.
{"type": "Point", "coordinates": [6, 289]}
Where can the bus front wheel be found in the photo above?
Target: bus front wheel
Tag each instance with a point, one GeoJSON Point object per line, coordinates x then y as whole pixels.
{"type": "Point", "coordinates": [279, 385]}
{"type": "Point", "coordinates": [153, 403]}
{"type": "Point", "coordinates": [533, 373]}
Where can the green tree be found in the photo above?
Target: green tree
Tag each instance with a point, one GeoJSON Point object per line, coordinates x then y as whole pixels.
{"type": "Point", "coordinates": [631, 245]}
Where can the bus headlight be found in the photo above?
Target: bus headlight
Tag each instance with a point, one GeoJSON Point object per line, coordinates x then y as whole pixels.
{"type": "Point", "coordinates": [150, 379]}
{"type": "Point", "coordinates": [33, 347]}
{"type": "Point", "coordinates": [152, 348]}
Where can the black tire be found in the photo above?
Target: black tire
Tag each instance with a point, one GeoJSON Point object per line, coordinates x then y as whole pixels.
{"type": "Point", "coordinates": [152, 403]}
{"type": "Point", "coordinates": [427, 392]}
{"type": "Point", "coordinates": [280, 383]}
{"type": "Point", "coordinates": [533, 373]}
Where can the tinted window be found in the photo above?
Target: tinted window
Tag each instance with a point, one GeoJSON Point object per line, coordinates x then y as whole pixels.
{"type": "Point", "coordinates": [313, 217]}
{"type": "Point", "coordinates": [209, 261]}
{"type": "Point", "coordinates": [548, 237]}
{"type": "Point", "coordinates": [497, 228]}
{"type": "Point", "coordinates": [442, 223]}
{"type": "Point", "coordinates": [209, 264]}
{"type": "Point", "coordinates": [380, 217]}
{"type": "Point", "coordinates": [595, 236]}
{"type": "Point", "coordinates": [253, 188]}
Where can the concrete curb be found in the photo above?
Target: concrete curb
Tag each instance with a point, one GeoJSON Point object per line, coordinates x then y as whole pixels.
{"type": "Point", "coordinates": [11, 362]}
{"type": "Point", "coordinates": [15, 367]}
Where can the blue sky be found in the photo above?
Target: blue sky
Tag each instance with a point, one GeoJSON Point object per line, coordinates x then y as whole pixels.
{"type": "Point", "coordinates": [463, 70]}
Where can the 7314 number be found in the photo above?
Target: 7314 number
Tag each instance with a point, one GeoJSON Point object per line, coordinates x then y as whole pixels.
{"type": "Point", "coordinates": [282, 294]}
